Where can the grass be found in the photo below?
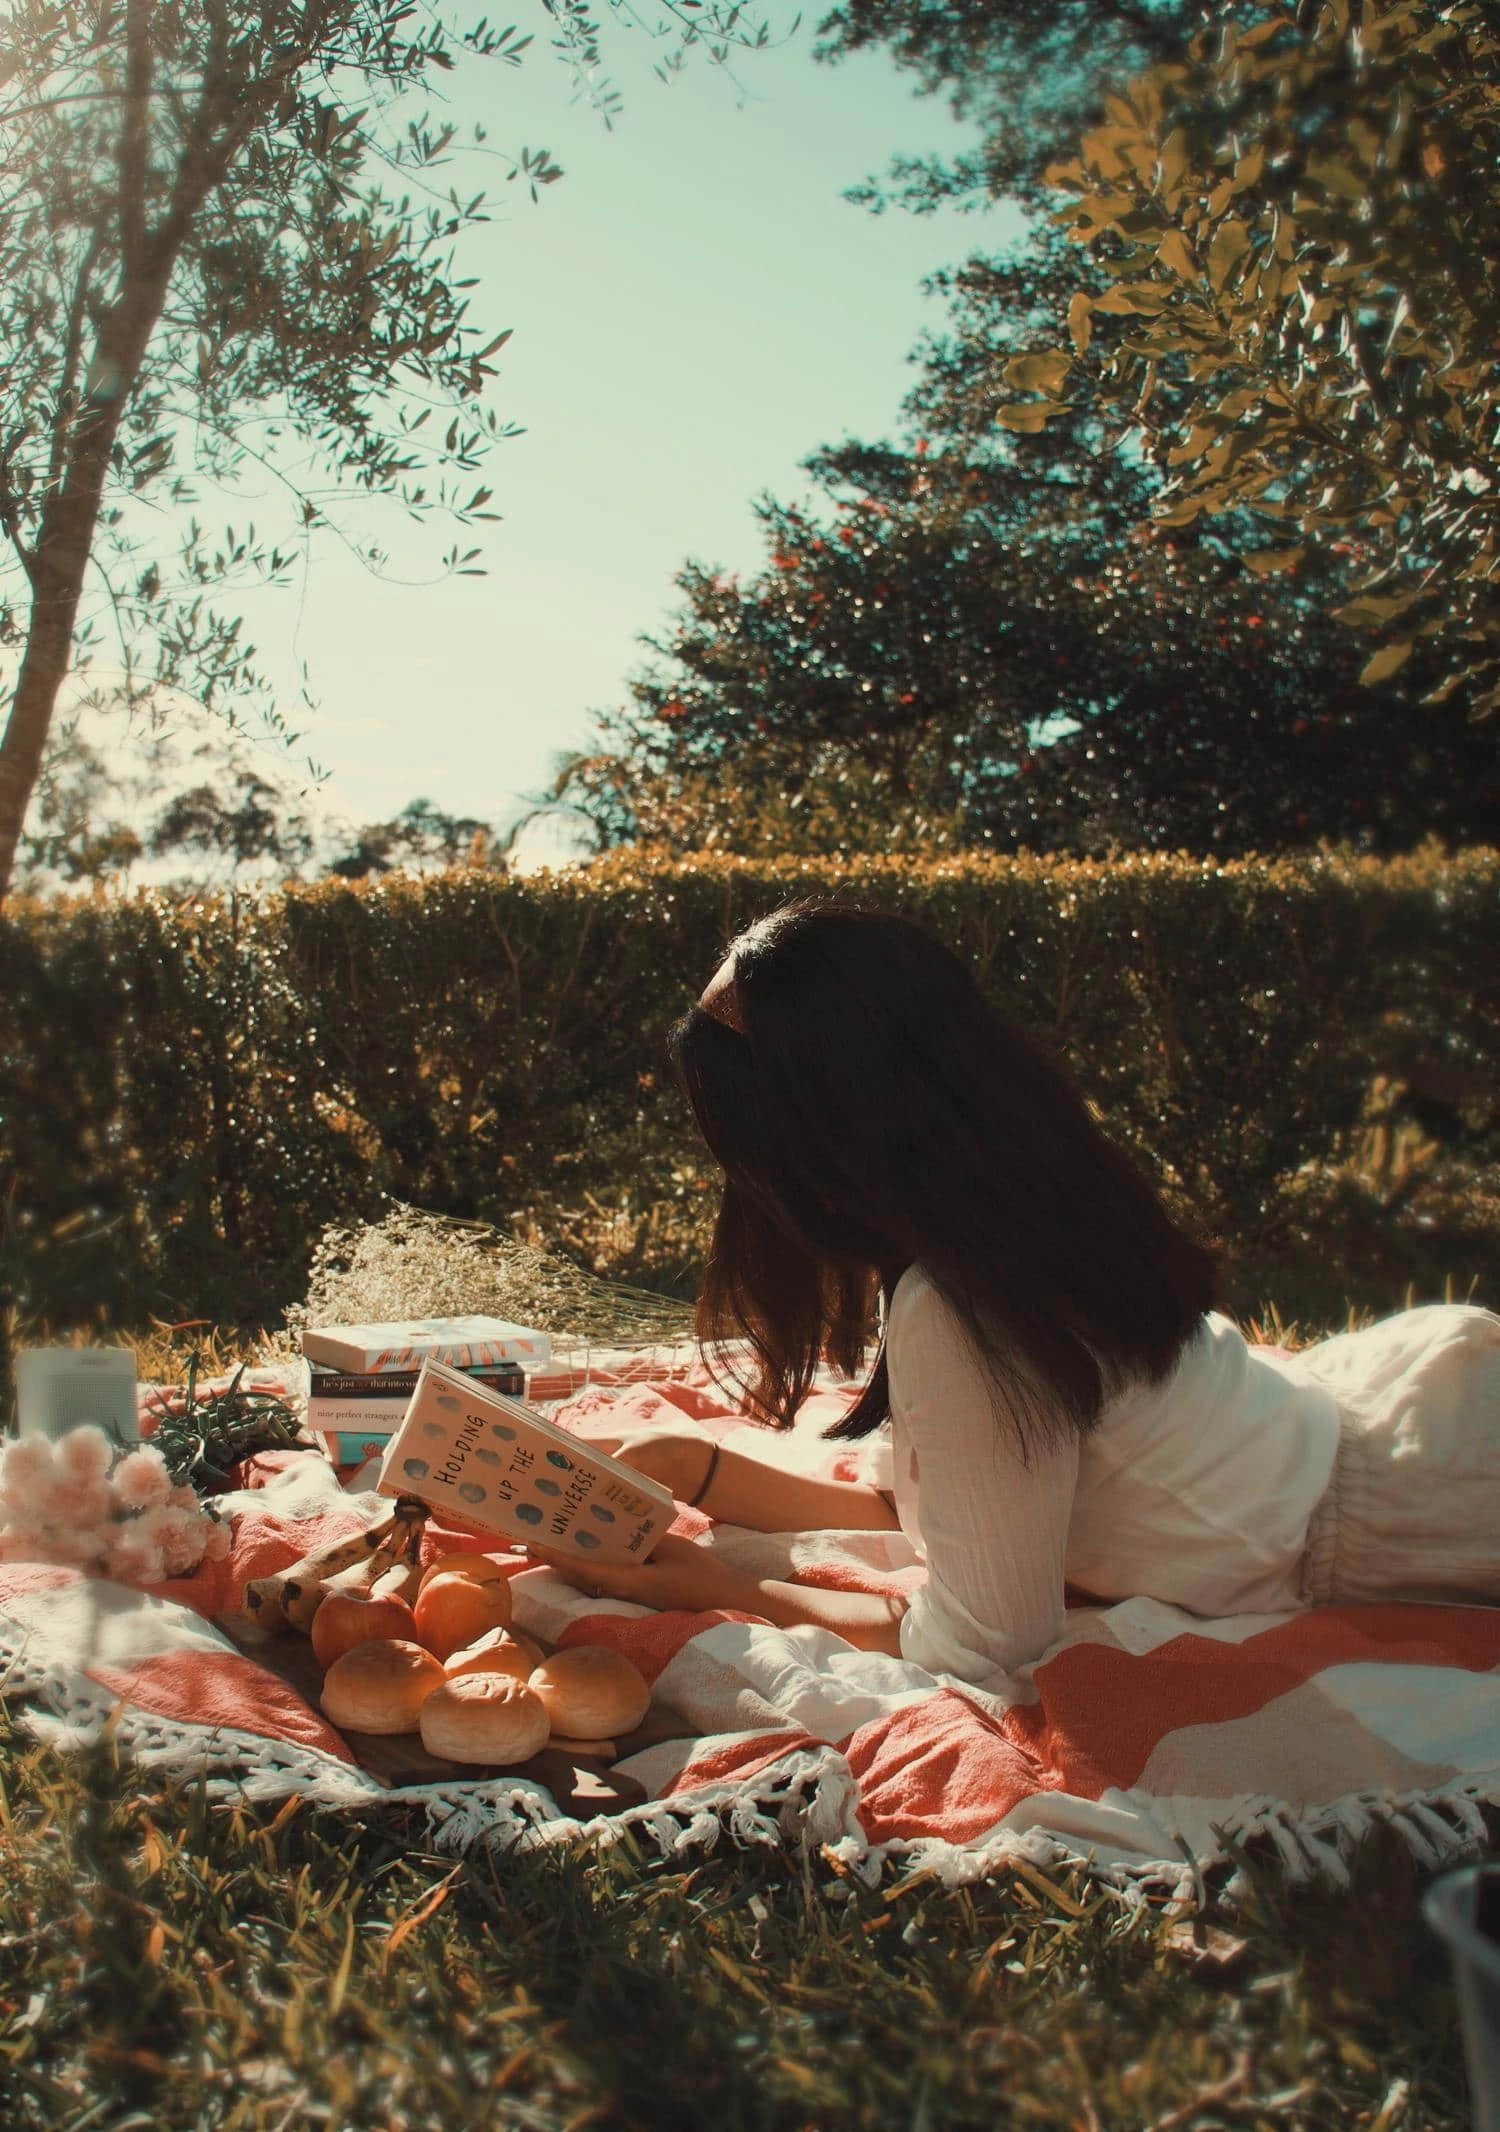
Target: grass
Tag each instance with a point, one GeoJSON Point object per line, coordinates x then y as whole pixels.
{"type": "Point", "coordinates": [167, 1962]}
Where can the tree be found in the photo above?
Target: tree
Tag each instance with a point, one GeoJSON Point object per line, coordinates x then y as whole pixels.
{"type": "Point", "coordinates": [254, 826]}
{"type": "Point", "coordinates": [954, 651]}
{"type": "Point", "coordinates": [74, 832]}
{"type": "Point", "coordinates": [1298, 317]}
{"type": "Point", "coordinates": [421, 835]}
{"type": "Point", "coordinates": [197, 805]}
{"type": "Point", "coordinates": [226, 239]}
{"type": "Point", "coordinates": [1027, 73]}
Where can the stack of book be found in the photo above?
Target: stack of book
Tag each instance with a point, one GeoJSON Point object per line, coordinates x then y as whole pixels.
{"type": "Point", "coordinates": [362, 1377]}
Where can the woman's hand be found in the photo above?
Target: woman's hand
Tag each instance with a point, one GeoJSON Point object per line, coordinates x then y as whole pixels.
{"type": "Point", "coordinates": [680, 1576]}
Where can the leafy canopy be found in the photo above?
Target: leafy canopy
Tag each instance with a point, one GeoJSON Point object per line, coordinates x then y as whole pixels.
{"type": "Point", "coordinates": [229, 262]}
{"type": "Point", "coordinates": [1297, 314]}
{"type": "Point", "coordinates": [1026, 73]}
{"type": "Point", "coordinates": [245, 174]}
{"type": "Point", "coordinates": [947, 650]}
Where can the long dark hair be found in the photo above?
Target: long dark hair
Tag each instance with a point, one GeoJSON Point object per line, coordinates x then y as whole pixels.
{"type": "Point", "coordinates": [873, 1112]}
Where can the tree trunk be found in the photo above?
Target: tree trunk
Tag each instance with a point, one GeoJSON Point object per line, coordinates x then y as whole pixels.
{"type": "Point", "coordinates": [25, 742]}
{"type": "Point", "coordinates": [60, 559]}
{"type": "Point", "coordinates": [59, 563]}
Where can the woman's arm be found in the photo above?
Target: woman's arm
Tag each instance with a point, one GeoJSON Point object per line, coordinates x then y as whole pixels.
{"type": "Point", "coordinates": [994, 1523]}
{"type": "Point", "coordinates": [683, 1575]}
{"type": "Point", "coordinates": [871, 1621]}
{"type": "Point", "coordinates": [747, 1491]}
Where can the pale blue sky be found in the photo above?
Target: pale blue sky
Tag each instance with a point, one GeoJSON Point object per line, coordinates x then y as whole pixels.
{"type": "Point", "coordinates": [695, 308]}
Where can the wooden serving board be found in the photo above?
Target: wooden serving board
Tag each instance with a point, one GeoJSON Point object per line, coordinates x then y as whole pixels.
{"type": "Point", "coordinates": [581, 1784]}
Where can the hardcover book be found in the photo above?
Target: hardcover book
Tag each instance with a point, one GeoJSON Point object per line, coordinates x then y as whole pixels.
{"type": "Point", "coordinates": [392, 1387]}
{"type": "Point", "coordinates": [381, 1417]}
{"type": "Point", "coordinates": [405, 1344]}
{"type": "Point", "coordinates": [486, 1459]}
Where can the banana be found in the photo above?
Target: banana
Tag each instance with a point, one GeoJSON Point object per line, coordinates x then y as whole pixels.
{"type": "Point", "coordinates": [401, 1581]}
{"type": "Point", "coordinates": [362, 1576]}
{"type": "Point", "coordinates": [402, 1576]}
{"type": "Point", "coordinates": [302, 1601]}
{"type": "Point", "coordinates": [277, 1601]}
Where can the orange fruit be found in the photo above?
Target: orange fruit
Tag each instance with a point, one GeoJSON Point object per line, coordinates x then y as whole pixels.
{"type": "Point", "coordinates": [453, 1612]}
{"type": "Point", "coordinates": [479, 1569]}
{"type": "Point", "coordinates": [345, 1620]}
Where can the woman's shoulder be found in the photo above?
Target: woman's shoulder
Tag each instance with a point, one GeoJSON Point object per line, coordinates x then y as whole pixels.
{"type": "Point", "coordinates": [915, 1297]}
{"type": "Point", "coordinates": [917, 1301]}
{"type": "Point", "coordinates": [921, 1320]}
{"type": "Point", "coordinates": [930, 1355]}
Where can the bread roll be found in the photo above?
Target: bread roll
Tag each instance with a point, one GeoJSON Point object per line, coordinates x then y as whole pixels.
{"type": "Point", "coordinates": [380, 1687]}
{"type": "Point", "coordinates": [591, 1693]}
{"type": "Point", "coordinates": [501, 1651]}
{"type": "Point", "coordinates": [484, 1717]}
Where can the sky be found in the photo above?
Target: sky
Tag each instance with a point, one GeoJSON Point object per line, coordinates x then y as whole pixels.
{"type": "Point", "coordinates": [695, 308]}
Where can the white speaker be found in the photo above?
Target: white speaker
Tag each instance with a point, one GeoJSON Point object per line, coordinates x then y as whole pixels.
{"type": "Point", "coordinates": [60, 1388]}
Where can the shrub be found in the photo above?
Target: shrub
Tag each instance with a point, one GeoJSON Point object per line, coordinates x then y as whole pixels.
{"type": "Point", "coordinates": [193, 1090]}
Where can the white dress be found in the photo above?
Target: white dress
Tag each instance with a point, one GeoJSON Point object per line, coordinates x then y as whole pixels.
{"type": "Point", "coordinates": [1201, 1491]}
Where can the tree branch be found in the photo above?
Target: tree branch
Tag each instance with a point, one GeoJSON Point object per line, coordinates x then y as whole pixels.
{"type": "Point", "coordinates": [67, 392]}
{"type": "Point", "coordinates": [235, 107]}
{"type": "Point", "coordinates": [135, 138]}
{"type": "Point", "coordinates": [10, 519]}
{"type": "Point", "coordinates": [71, 96]}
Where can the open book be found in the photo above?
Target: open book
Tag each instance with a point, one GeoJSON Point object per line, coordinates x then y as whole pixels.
{"type": "Point", "coordinates": [484, 1458]}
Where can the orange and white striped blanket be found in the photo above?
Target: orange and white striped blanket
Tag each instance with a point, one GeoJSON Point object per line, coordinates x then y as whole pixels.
{"type": "Point", "coordinates": [1146, 1740]}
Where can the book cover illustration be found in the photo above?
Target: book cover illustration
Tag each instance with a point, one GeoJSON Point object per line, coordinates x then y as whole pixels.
{"type": "Point", "coordinates": [351, 1447]}
{"type": "Point", "coordinates": [405, 1344]}
{"type": "Point", "coordinates": [484, 1458]}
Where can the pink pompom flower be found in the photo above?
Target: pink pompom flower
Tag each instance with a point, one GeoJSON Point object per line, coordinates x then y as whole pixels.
{"type": "Point", "coordinates": [134, 1559]}
{"type": "Point", "coordinates": [141, 1480]}
{"type": "Point", "coordinates": [84, 1546]}
{"type": "Point", "coordinates": [24, 1543]}
{"type": "Point", "coordinates": [26, 1467]}
{"type": "Point", "coordinates": [81, 1505]}
{"type": "Point", "coordinates": [84, 1454]}
{"type": "Point", "coordinates": [179, 1535]}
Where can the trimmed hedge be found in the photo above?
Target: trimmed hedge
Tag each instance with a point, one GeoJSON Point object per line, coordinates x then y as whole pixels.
{"type": "Point", "coordinates": [192, 1089]}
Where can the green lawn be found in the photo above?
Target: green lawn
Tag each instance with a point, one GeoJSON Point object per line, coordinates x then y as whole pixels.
{"type": "Point", "coordinates": [168, 1963]}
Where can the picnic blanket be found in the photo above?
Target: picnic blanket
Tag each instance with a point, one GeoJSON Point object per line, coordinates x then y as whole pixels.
{"type": "Point", "coordinates": [1149, 1742]}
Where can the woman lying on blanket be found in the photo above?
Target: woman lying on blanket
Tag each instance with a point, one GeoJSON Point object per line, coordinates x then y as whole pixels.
{"type": "Point", "coordinates": [1066, 1410]}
